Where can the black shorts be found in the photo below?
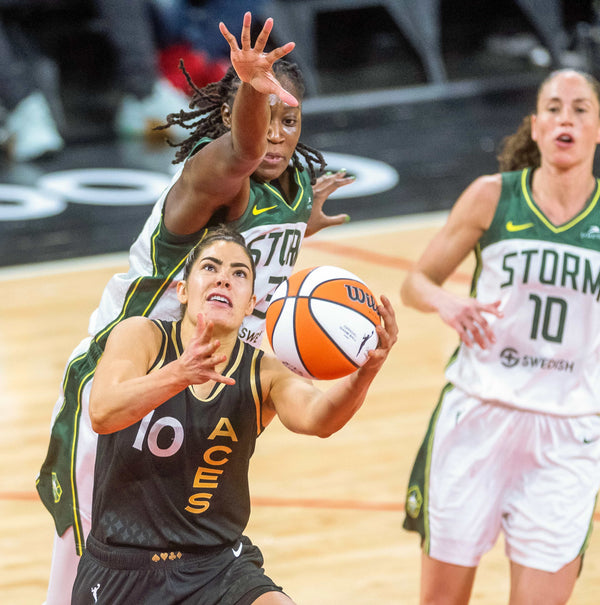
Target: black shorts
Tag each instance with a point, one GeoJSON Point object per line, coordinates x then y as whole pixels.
{"type": "Point", "coordinates": [111, 576]}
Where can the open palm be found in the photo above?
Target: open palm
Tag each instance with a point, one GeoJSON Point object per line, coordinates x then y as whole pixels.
{"type": "Point", "coordinates": [253, 65]}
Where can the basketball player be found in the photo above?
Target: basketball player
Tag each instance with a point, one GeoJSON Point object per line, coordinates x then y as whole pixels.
{"type": "Point", "coordinates": [179, 406]}
{"type": "Point", "coordinates": [241, 166]}
{"type": "Point", "coordinates": [514, 442]}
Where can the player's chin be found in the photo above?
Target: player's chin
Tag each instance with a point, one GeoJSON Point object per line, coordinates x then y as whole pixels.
{"type": "Point", "coordinates": [270, 171]}
{"type": "Point", "coordinates": [225, 320]}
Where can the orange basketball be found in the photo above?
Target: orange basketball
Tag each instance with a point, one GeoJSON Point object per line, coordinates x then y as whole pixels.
{"type": "Point", "coordinates": [321, 322]}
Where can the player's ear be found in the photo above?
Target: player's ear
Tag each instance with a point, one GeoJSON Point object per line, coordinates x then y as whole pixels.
{"type": "Point", "coordinates": [182, 292]}
{"type": "Point", "coordinates": [226, 115]}
{"type": "Point", "coordinates": [532, 121]}
{"type": "Point", "coordinates": [251, 304]}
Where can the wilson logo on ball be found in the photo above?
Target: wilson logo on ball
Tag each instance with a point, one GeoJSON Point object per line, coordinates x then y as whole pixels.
{"type": "Point", "coordinates": [360, 296]}
{"type": "Point", "coordinates": [321, 322]}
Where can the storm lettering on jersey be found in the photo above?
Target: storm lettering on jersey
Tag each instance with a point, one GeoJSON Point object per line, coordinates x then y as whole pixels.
{"type": "Point", "coordinates": [208, 474]}
{"type": "Point", "coordinates": [281, 246]}
{"type": "Point", "coordinates": [551, 268]}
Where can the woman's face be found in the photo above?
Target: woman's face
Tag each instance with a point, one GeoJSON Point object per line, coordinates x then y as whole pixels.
{"type": "Point", "coordinates": [282, 137]}
{"type": "Point", "coordinates": [219, 285]}
{"type": "Point", "coordinates": [566, 127]}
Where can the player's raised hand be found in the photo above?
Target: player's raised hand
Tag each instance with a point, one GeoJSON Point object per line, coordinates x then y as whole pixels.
{"type": "Point", "coordinates": [253, 65]}
{"type": "Point", "coordinates": [200, 356]}
{"type": "Point", "coordinates": [326, 184]}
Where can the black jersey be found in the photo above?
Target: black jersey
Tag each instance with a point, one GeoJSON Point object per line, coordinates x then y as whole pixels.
{"type": "Point", "coordinates": [178, 478]}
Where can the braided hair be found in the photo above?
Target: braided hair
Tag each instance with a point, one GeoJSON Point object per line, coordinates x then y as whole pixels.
{"type": "Point", "coordinates": [519, 150]}
{"type": "Point", "coordinates": [204, 119]}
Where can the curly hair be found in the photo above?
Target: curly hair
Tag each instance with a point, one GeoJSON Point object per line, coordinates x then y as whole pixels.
{"type": "Point", "coordinates": [204, 119]}
{"type": "Point", "coordinates": [519, 150]}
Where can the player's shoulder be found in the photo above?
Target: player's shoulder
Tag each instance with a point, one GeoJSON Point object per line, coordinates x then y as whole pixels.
{"type": "Point", "coordinates": [136, 327]}
{"type": "Point", "coordinates": [477, 204]}
{"type": "Point", "coordinates": [487, 186]}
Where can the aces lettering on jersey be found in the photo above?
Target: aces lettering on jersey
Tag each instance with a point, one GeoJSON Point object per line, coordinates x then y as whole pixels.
{"type": "Point", "coordinates": [214, 458]}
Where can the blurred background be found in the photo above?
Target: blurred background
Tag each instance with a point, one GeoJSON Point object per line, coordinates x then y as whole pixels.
{"type": "Point", "coordinates": [412, 96]}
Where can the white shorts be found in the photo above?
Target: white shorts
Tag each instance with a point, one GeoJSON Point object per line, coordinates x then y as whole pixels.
{"type": "Point", "coordinates": [494, 468]}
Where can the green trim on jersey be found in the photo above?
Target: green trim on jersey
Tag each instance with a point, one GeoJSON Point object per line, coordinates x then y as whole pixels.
{"type": "Point", "coordinates": [168, 257]}
{"type": "Point", "coordinates": [588, 536]}
{"type": "Point", "coordinates": [417, 493]}
{"type": "Point", "coordinates": [274, 230]}
{"type": "Point", "coordinates": [527, 194]}
{"type": "Point", "coordinates": [267, 206]}
{"type": "Point", "coordinates": [518, 217]}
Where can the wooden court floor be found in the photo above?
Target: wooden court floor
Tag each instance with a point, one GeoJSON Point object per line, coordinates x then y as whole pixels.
{"type": "Point", "coordinates": [326, 513]}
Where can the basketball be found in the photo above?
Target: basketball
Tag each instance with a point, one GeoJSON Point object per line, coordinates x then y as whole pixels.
{"type": "Point", "coordinates": [321, 322]}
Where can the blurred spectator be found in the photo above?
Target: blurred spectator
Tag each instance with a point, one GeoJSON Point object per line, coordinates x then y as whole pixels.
{"type": "Point", "coordinates": [28, 74]}
{"type": "Point", "coordinates": [30, 130]}
{"type": "Point", "coordinates": [187, 29]}
{"type": "Point", "coordinates": [148, 96]}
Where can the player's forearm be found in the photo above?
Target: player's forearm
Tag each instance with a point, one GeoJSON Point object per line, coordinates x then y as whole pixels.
{"type": "Point", "coordinates": [250, 122]}
{"type": "Point", "coordinates": [336, 406]}
{"type": "Point", "coordinates": [421, 293]}
{"type": "Point", "coordinates": [115, 405]}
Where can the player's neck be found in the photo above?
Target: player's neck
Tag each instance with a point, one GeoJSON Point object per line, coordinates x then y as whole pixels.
{"type": "Point", "coordinates": [561, 195]}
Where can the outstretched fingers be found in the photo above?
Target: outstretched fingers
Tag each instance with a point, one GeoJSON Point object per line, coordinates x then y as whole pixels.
{"type": "Point", "coordinates": [228, 36]}
{"type": "Point", "coordinates": [252, 64]}
{"type": "Point", "coordinates": [281, 51]}
{"type": "Point", "coordinates": [263, 37]}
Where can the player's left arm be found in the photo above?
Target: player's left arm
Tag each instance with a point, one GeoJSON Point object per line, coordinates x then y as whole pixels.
{"type": "Point", "coordinates": [304, 408]}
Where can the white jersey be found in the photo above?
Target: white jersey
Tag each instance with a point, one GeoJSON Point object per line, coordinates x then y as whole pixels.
{"type": "Point", "coordinates": [547, 354]}
{"type": "Point", "coordinates": [273, 231]}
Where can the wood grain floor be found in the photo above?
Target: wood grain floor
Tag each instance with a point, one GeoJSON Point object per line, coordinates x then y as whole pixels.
{"type": "Point", "coordinates": [326, 513]}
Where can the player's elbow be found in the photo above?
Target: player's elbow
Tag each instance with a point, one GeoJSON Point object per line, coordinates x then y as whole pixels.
{"type": "Point", "coordinates": [99, 418]}
{"type": "Point", "coordinates": [325, 430]}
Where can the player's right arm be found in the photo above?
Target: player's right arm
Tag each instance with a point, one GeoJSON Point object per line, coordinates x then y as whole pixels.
{"type": "Point", "coordinates": [218, 174]}
{"type": "Point", "coordinates": [124, 389]}
{"type": "Point", "coordinates": [422, 289]}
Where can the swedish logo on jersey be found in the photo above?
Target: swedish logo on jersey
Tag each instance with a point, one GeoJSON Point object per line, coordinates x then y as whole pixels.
{"type": "Point", "coordinates": [592, 233]}
{"type": "Point", "coordinates": [414, 501]}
